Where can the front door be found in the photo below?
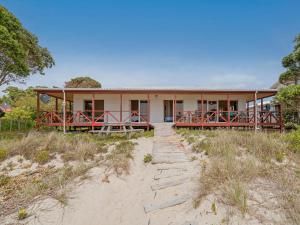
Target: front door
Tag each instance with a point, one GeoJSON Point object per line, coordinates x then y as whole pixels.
{"type": "Point", "coordinates": [168, 110]}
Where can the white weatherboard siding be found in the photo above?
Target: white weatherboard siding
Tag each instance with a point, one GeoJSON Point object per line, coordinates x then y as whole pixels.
{"type": "Point", "coordinates": [112, 103]}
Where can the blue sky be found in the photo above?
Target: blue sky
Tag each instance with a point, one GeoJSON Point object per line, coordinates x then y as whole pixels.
{"type": "Point", "coordinates": [166, 43]}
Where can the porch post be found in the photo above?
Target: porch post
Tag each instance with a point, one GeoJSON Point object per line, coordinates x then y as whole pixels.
{"type": "Point", "coordinates": [280, 118]}
{"type": "Point", "coordinates": [148, 109]}
{"type": "Point", "coordinates": [228, 110]}
{"type": "Point", "coordinates": [38, 109]}
{"type": "Point", "coordinates": [255, 110]}
{"type": "Point", "coordinates": [202, 110]}
{"type": "Point", "coordinates": [64, 111]}
{"type": "Point", "coordinates": [174, 109]}
{"type": "Point", "coordinates": [93, 111]}
{"type": "Point", "coordinates": [56, 105]}
{"type": "Point", "coordinates": [121, 109]}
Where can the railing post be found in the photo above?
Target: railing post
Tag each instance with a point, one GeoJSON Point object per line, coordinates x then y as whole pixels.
{"type": "Point", "coordinates": [38, 109]}
{"type": "Point", "coordinates": [202, 110]}
{"type": "Point", "coordinates": [280, 118]}
{"type": "Point", "coordinates": [64, 111]}
{"type": "Point", "coordinates": [174, 109]}
{"type": "Point", "coordinates": [121, 108]}
{"type": "Point", "coordinates": [148, 109]}
{"type": "Point", "coordinates": [255, 111]}
{"type": "Point", "coordinates": [228, 110]}
{"type": "Point", "coordinates": [93, 111]}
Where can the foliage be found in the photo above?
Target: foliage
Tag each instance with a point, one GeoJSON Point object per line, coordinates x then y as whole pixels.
{"type": "Point", "coordinates": [4, 180]}
{"type": "Point", "coordinates": [293, 140]}
{"type": "Point", "coordinates": [3, 154]}
{"type": "Point", "coordinates": [82, 82]}
{"type": "Point", "coordinates": [292, 63]}
{"type": "Point", "coordinates": [20, 52]}
{"type": "Point", "coordinates": [42, 157]}
{"type": "Point", "coordinates": [118, 159]}
{"type": "Point", "coordinates": [22, 214]}
{"type": "Point", "coordinates": [289, 97]}
{"type": "Point", "coordinates": [18, 114]}
{"type": "Point", "coordinates": [147, 158]}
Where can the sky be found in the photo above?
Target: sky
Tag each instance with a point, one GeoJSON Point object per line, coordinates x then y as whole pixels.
{"type": "Point", "coordinates": [162, 43]}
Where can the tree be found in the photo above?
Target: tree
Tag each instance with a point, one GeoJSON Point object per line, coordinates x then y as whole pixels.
{"type": "Point", "coordinates": [20, 53]}
{"type": "Point", "coordinates": [292, 63]}
{"type": "Point", "coordinates": [82, 82]}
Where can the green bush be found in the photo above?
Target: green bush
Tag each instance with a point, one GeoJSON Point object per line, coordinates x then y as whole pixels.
{"type": "Point", "coordinates": [293, 140]}
{"type": "Point", "coordinates": [279, 155]}
{"type": "Point", "coordinates": [3, 154]}
{"type": "Point", "coordinates": [22, 214]}
{"type": "Point", "coordinates": [4, 180]}
{"type": "Point", "coordinates": [42, 157]}
{"type": "Point", "coordinates": [147, 158]}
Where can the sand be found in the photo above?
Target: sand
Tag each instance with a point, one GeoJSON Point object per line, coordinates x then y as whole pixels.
{"type": "Point", "coordinates": [122, 200]}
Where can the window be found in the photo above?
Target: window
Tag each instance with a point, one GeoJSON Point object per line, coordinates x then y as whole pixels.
{"type": "Point", "coordinates": [199, 107]}
{"type": "Point", "coordinates": [139, 110]}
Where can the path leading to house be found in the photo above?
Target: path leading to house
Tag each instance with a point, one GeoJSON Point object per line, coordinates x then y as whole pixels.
{"type": "Point", "coordinates": [173, 176]}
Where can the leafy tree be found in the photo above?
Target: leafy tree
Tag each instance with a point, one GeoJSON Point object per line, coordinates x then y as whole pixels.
{"type": "Point", "coordinates": [18, 114]}
{"type": "Point", "coordinates": [82, 82]}
{"type": "Point", "coordinates": [25, 99]}
{"type": "Point", "coordinates": [292, 63]}
{"type": "Point", "coordinates": [20, 52]}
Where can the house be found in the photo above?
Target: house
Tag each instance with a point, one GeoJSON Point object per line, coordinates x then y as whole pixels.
{"type": "Point", "coordinates": [94, 107]}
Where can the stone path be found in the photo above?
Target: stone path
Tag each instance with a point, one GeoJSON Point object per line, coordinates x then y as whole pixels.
{"type": "Point", "coordinates": [170, 183]}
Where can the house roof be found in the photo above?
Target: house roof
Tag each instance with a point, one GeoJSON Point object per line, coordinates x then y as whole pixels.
{"type": "Point", "coordinates": [58, 92]}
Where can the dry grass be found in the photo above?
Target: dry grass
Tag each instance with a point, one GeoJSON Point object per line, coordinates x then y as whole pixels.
{"type": "Point", "coordinates": [237, 159]}
{"type": "Point", "coordinates": [119, 158]}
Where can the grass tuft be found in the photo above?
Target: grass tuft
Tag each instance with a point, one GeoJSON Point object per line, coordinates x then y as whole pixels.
{"type": "Point", "coordinates": [147, 158]}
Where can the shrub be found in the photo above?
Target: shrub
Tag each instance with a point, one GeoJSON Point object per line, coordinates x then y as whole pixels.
{"type": "Point", "coordinates": [4, 180]}
{"type": "Point", "coordinates": [236, 195]}
{"type": "Point", "coordinates": [293, 140]}
{"type": "Point", "coordinates": [279, 156]}
{"type": "Point", "coordinates": [22, 214]}
{"type": "Point", "coordinates": [3, 154]}
{"type": "Point", "coordinates": [147, 158]}
{"type": "Point", "coordinates": [42, 157]}
{"type": "Point", "coordinates": [118, 158]}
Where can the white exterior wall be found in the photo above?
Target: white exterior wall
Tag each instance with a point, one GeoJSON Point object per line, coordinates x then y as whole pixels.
{"type": "Point", "coordinates": [112, 103]}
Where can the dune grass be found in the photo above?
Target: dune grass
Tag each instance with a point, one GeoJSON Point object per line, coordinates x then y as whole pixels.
{"type": "Point", "coordinates": [236, 159]}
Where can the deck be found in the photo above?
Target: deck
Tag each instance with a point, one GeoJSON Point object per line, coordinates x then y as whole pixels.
{"type": "Point", "coordinates": [263, 119]}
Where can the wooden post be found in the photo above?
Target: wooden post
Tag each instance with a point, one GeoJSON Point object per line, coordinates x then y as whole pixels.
{"type": "Point", "coordinates": [93, 111]}
{"type": "Point", "coordinates": [38, 109]}
{"type": "Point", "coordinates": [202, 110]}
{"type": "Point", "coordinates": [228, 110]}
{"type": "Point", "coordinates": [255, 110]}
{"type": "Point", "coordinates": [56, 105]}
{"type": "Point", "coordinates": [280, 118]}
{"type": "Point", "coordinates": [148, 110]}
{"type": "Point", "coordinates": [64, 111]}
{"type": "Point", "coordinates": [121, 108]}
{"type": "Point", "coordinates": [174, 109]}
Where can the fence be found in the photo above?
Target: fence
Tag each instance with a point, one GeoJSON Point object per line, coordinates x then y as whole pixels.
{"type": "Point", "coordinates": [15, 125]}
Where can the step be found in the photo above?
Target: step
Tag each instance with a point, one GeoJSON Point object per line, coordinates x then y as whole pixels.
{"type": "Point", "coordinates": [169, 183]}
{"type": "Point", "coordinates": [166, 204]}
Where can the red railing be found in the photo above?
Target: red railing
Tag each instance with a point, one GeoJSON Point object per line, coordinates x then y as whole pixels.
{"type": "Point", "coordinates": [86, 118]}
{"type": "Point", "coordinates": [227, 118]}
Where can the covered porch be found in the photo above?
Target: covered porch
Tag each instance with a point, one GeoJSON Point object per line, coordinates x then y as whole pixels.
{"type": "Point", "coordinates": [183, 108]}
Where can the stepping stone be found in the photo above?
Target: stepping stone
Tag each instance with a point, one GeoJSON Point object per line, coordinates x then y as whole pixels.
{"type": "Point", "coordinates": [169, 183]}
{"type": "Point", "coordinates": [161, 158]}
{"type": "Point", "coordinates": [190, 223]}
{"type": "Point", "coordinates": [167, 175]}
{"type": "Point", "coordinates": [169, 203]}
